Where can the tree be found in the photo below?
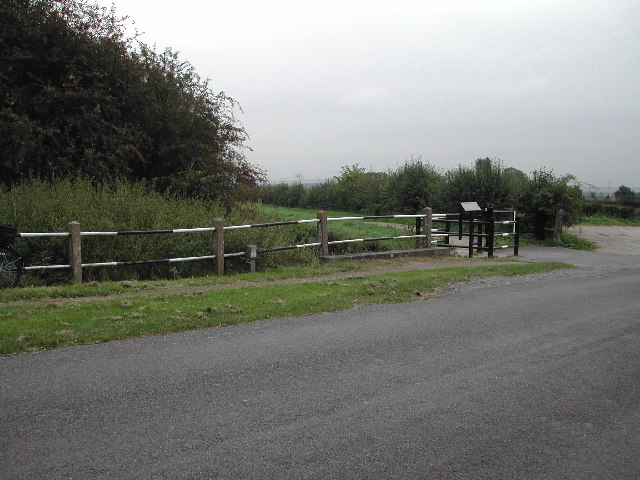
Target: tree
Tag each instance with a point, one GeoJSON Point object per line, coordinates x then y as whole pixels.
{"type": "Point", "coordinates": [77, 97]}
{"type": "Point", "coordinates": [413, 186]}
{"type": "Point", "coordinates": [487, 183]}
{"type": "Point", "coordinates": [358, 190]}
{"type": "Point", "coordinates": [548, 193]}
{"type": "Point", "coordinates": [626, 196]}
{"type": "Point", "coordinates": [323, 195]}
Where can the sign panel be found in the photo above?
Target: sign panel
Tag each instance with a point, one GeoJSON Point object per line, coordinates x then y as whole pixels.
{"type": "Point", "coordinates": [470, 206]}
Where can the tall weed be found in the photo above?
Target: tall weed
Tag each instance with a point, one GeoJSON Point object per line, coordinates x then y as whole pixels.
{"type": "Point", "coordinates": [41, 206]}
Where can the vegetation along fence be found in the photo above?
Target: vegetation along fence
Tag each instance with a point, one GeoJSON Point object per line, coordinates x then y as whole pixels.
{"type": "Point", "coordinates": [478, 227]}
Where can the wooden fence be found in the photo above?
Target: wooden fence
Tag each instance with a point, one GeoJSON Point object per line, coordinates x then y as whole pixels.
{"type": "Point", "coordinates": [480, 230]}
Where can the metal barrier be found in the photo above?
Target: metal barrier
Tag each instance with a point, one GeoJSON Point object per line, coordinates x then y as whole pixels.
{"type": "Point", "coordinates": [481, 231]}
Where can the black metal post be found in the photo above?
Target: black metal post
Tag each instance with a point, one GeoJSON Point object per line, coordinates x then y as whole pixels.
{"type": "Point", "coordinates": [490, 230]}
{"type": "Point", "coordinates": [540, 222]}
{"type": "Point", "coordinates": [471, 228]}
{"type": "Point", "coordinates": [517, 238]}
{"type": "Point", "coordinates": [447, 228]}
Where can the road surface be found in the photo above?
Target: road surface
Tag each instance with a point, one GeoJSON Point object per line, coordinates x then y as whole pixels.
{"type": "Point", "coordinates": [536, 379]}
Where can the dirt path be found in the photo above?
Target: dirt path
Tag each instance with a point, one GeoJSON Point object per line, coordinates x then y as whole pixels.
{"type": "Point", "coordinates": [621, 240]}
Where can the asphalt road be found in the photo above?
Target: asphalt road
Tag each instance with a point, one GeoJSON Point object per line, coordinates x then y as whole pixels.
{"type": "Point", "coordinates": [537, 379]}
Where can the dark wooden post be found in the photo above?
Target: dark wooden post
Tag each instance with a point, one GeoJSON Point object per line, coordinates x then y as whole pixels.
{"type": "Point", "coordinates": [218, 223]}
{"type": "Point", "coordinates": [75, 251]}
{"type": "Point", "coordinates": [490, 231]}
{"type": "Point", "coordinates": [418, 230]}
{"type": "Point", "coordinates": [323, 234]}
{"type": "Point", "coordinates": [447, 227]}
{"type": "Point", "coordinates": [539, 227]}
{"type": "Point", "coordinates": [483, 218]}
{"type": "Point", "coordinates": [427, 225]}
{"type": "Point", "coordinates": [471, 229]}
{"type": "Point", "coordinates": [517, 238]}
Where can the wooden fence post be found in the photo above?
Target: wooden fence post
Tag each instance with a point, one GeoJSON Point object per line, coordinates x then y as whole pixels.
{"type": "Point", "coordinates": [427, 225]}
{"type": "Point", "coordinates": [75, 251]}
{"type": "Point", "coordinates": [557, 228]}
{"type": "Point", "coordinates": [218, 235]}
{"type": "Point", "coordinates": [323, 234]}
{"type": "Point", "coordinates": [251, 252]}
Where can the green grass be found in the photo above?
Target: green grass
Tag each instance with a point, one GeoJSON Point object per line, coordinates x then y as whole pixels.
{"type": "Point", "coordinates": [45, 325]}
{"type": "Point", "coordinates": [602, 220]}
{"type": "Point", "coordinates": [567, 241]}
{"type": "Point", "coordinates": [131, 287]}
{"type": "Point", "coordinates": [369, 229]}
{"type": "Point", "coordinates": [350, 229]}
{"type": "Point", "coordinates": [295, 213]}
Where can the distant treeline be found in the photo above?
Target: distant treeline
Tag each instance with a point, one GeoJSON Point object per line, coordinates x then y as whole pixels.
{"type": "Point", "coordinates": [417, 184]}
{"type": "Point", "coordinates": [609, 209]}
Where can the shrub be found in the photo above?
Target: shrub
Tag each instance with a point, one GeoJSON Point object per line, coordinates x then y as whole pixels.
{"type": "Point", "coordinates": [79, 96]}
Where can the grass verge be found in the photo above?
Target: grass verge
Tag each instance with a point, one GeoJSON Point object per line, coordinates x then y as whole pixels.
{"type": "Point", "coordinates": [30, 328]}
{"type": "Point", "coordinates": [571, 241]}
{"type": "Point", "coordinates": [132, 287]}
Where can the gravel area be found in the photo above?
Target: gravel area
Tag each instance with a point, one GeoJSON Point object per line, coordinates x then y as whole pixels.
{"type": "Point", "coordinates": [610, 240]}
{"type": "Point", "coordinates": [621, 240]}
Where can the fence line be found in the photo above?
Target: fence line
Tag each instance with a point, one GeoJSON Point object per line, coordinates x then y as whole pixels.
{"type": "Point", "coordinates": [478, 230]}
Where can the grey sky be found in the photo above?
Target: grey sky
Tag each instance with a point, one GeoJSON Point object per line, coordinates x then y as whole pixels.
{"type": "Point", "coordinates": [334, 83]}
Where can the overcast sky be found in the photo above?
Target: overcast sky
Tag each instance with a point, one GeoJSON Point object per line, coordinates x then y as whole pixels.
{"type": "Point", "coordinates": [537, 83]}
